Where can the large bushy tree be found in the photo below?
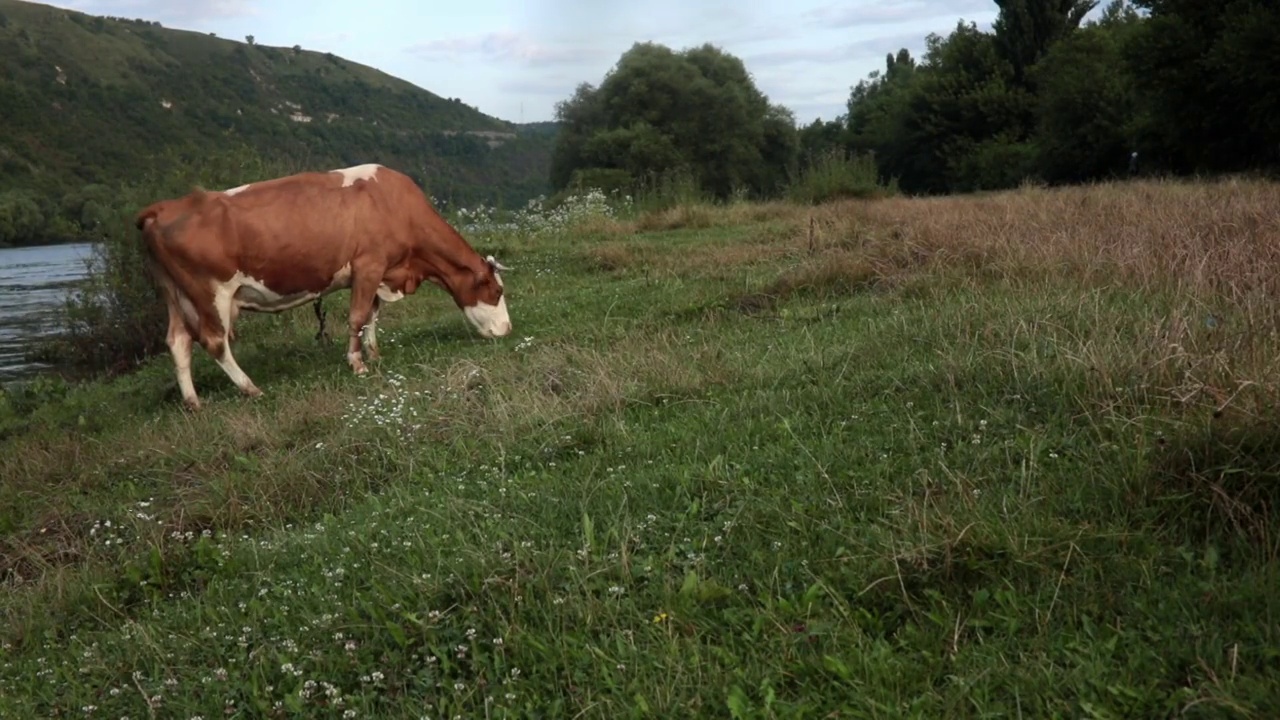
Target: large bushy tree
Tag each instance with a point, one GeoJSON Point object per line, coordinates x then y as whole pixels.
{"type": "Point", "coordinates": [1087, 114]}
{"type": "Point", "coordinates": [659, 111]}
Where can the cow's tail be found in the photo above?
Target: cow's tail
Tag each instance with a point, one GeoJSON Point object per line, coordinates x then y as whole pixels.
{"type": "Point", "coordinates": [150, 230]}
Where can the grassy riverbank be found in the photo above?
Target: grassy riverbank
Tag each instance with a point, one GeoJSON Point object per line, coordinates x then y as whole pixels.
{"type": "Point", "coordinates": [1009, 455]}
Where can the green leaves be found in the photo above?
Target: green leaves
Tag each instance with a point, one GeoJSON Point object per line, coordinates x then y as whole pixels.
{"type": "Point", "coordinates": [1047, 95]}
{"type": "Point", "coordinates": [659, 111]}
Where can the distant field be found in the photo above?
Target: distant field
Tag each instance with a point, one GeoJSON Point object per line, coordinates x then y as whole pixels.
{"type": "Point", "coordinates": [1007, 456]}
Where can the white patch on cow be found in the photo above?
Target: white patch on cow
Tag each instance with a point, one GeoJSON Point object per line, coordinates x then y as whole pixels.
{"type": "Point", "coordinates": [368, 171]}
{"type": "Point", "coordinates": [342, 278]}
{"type": "Point", "coordinates": [356, 361]}
{"type": "Point", "coordinates": [386, 294]}
{"type": "Point", "coordinates": [179, 342]}
{"type": "Point", "coordinates": [492, 321]}
{"type": "Point", "coordinates": [235, 190]}
{"type": "Point", "coordinates": [249, 292]}
{"type": "Point", "coordinates": [224, 298]}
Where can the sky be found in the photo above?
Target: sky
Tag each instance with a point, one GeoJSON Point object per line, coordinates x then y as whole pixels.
{"type": "Point", "coordinates": [515, 60]}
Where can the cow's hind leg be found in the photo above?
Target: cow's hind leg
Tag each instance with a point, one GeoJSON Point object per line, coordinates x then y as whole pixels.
{"type": "Point", "coordinates": [179, 342]}
{"type": "Point", "coordinates": [183, 320]}
{"type": "Point", "coordinates": [371, 332]}
{"type": "Point", "coordinates": [213, 336]}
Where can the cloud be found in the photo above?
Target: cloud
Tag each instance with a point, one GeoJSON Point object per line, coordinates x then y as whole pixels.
{"type": "Point", "coordinates": [165, 10]}
{"type": "Point", "coordinates": [337, 38]}
{"type": "Point", "coordinates": [754, 34]}
{"type": "Point", "coordinates": [557, 87]}
{"type": "Point", "coordinates": [888, 12]}
{"type": "Point", "coordinates": [831, 55]}
{"type": "Point", "coordinates": [506, 46]}
{"type": "Point", "coordinates": [827, 111]}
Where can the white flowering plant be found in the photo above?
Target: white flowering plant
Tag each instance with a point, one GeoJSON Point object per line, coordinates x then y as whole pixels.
{"type": "Point", "coordinates": [541, 217]}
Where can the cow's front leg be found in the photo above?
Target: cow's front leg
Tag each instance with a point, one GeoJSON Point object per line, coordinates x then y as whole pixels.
{"type": "Point", "coordinates": [363, 296]}
{"type": "Point", "coordinates": [321, 334]}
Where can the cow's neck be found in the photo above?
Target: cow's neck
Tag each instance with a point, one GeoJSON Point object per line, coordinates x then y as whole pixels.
{"type": "Point", "coordinates": [452, 266]}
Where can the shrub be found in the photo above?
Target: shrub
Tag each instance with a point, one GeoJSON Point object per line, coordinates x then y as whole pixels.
{"type": "Point", "coordinates": [835, 174]}
{"type": "Point", "coordinates": [116, 318]}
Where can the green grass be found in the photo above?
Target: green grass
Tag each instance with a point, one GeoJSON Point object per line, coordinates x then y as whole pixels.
{"type": "Point", "coordinates": [704, 477]}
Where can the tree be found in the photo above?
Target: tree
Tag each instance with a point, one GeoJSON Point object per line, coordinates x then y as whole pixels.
{"type": "Point", "coordinates": [880, 119]}
{"type": "Point", "coordinates": [579, 116]}
{"type": "Point", "coordinates": [957, 121]}
{"type": "Point", "coordinates": [1087, 112]}
{"type": "Point", "coordinates": [1025, 29]}
{"type": "Point", "coordinates": [819, 137]}
{"type": "Point", "coordinates": [659, 111]}
{"type": "Point", "coordinates": [1211, 76]}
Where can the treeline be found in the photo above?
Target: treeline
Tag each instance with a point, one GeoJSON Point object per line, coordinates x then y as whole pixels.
{"type": "Point", "coordinates": [1152, 86]}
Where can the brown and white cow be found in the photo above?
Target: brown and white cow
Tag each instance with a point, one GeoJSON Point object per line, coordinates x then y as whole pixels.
{"type": "Point", "coordinates": [274, 245]}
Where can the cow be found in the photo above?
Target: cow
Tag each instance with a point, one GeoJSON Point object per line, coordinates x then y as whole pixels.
{"type": "Point", "coordinates": [274, 245]}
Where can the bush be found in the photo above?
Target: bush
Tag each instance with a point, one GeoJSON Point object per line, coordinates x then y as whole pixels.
{"type": "Point", "coordinates": [835, 174]}
{"type": "Point", "coordinates": [542, 217]}
{"type": "Point", "coordinates": [664, 190]}
{"type": "Point", "coordinates": [117, 317]}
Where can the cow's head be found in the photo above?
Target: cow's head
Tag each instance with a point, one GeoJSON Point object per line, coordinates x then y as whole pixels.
{"type": "Point", "coordinates": [488, 311]}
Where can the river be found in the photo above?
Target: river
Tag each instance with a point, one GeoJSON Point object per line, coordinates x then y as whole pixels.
{"type": "Point", "coordinates": [33, 285]}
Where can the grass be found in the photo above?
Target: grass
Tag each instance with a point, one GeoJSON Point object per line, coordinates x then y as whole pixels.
{"type": "Point", "coordinates": [1012, 455]}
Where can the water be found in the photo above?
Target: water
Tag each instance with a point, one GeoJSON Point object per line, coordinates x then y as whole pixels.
{"type": "Point", "coordinates": [34, 282]}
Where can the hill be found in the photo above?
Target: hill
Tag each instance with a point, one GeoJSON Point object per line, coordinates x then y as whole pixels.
{"type": "Point", "coordinates": [96, 101]}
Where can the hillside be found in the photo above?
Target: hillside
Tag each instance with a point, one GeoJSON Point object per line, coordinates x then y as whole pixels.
{"type": "Point", "coordinates": [96, 101]}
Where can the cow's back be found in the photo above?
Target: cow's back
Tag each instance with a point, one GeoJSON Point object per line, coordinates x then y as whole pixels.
{"type": "Point", "coordinates": [295, 233]}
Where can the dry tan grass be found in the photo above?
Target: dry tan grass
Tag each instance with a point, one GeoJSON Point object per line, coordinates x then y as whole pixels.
{"type": "Point", "coordinates": [699, 216]}
{"type": "Point", "coordinates": [1212, 250]}
{"type": "Point", "coordinates": [678, 217]}
{"type": "Point", "coordinates": [1219, 239]}
{"type": "Point", "coordinates": [612, 256]}
{"type": "Point", "coordinates": [601, 226]}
